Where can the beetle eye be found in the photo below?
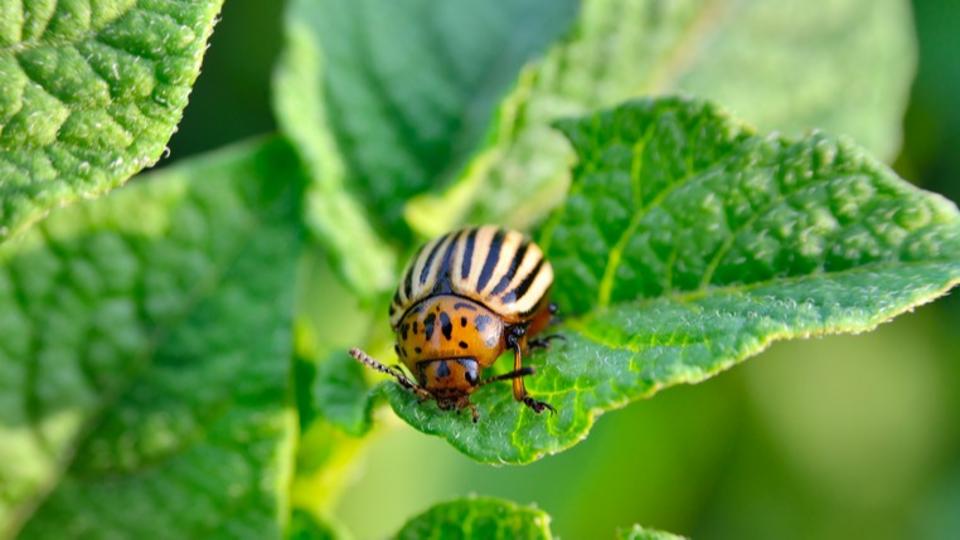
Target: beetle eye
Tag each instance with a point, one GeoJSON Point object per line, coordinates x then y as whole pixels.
{"type": "Point", "coordinates": [471, 376]}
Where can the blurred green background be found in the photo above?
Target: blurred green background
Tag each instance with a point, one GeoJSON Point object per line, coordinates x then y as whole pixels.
{"type": "Point", "coordinates": [855, 436]}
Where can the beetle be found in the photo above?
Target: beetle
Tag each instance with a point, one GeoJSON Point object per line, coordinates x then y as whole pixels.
{"type": "Point", "coordinates": [464, 299]}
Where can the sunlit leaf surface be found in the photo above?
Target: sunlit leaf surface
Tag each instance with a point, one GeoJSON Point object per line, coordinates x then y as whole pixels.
{"type": "Point", "coordinates": [687, 244]}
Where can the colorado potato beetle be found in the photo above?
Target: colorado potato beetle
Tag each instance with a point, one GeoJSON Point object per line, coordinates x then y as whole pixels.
{"type": "Point", "coordinates": [463, 299]}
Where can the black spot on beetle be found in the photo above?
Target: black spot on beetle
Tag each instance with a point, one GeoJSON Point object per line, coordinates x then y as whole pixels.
{"type": "Point", "coordinates": [463, 322]}
{"type": "Point", "coordinates": [403, 330]}
{"type": "Point", "coordinates": [465, 305]}
{"type": "Point", "coordinates": [481, 322]}
{"type": "Point", "coordinates": [417, 350]}
{"type": "Point", "coordinates": [415, 323]}
{"type": "Point", "coordinates": [446, 326]}
{"type": "Point", "coordinates": [443, 370]}
{"type": "Point", "coordinates": [428, 325]}
{"type": "Point", "coordinates": [396, 349]}
{"type": "Point", "coordinates": [463, 345]}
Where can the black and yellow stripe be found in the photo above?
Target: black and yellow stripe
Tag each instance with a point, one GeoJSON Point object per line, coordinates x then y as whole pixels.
{"type": "Point", "coordinates": [499, 268]}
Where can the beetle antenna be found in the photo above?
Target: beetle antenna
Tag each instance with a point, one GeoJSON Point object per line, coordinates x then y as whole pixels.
{"type": "Point", "coordinates": [522, 372]}
{"type": "Point", "coordinates": [394, 372]}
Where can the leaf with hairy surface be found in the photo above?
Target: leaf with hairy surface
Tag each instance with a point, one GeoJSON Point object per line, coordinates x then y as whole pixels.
{"type": "Point", "coordinates": [689, 243]}
{"type": "Point", "coordinates": [90, 93]}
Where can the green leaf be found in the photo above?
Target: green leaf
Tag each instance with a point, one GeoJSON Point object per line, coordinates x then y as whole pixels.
{"type": "Point", "coordinates": [145, 348]}
{"type": "Point", "coordinates": [845, 67]}
{"type": "Point", "coordinates": [388, 99]}
{"type": "Point", "coordinates": [688, 243]}
{"type": "Point", "coordinates": [641, 533]}
{"type": "Point", "coordinates": [341, 395]}
{"type": "Point", "coordinates": [480, 518]}
{"type": "Point", "coordinates": [90, 93]}
{"type": "Point", "coordinates": [330, 319]}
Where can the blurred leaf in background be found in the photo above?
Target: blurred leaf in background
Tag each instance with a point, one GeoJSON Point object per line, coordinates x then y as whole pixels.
{"type": "Point", "coordinates": [388, 99]}
{"type": "Point", "coordinates": [146, 355]}
{"type": "Point", "coordinates": [843, 66]}
{"type": "Point", "coordinates": [933, 120]}
{"type": "Point", "coordinates": [930, 154]}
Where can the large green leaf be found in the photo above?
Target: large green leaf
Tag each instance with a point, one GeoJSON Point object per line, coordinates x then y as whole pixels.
{"type": "Point", "coordinates": [687, 244]}
{"type": "Point", "coordinates": [479, 518]}
{"type": "Point", "coordinates": [90, 93]}
{"type": "Point", "coordinates": [145, 352]}
{"type": "Point", "coordinates": [844, 66]}
{"type": "Point", "coordinates": [388, 99]}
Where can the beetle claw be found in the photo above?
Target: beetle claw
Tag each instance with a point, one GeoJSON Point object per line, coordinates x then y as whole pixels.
{"type": "Point", "coordinates": [538, 406]}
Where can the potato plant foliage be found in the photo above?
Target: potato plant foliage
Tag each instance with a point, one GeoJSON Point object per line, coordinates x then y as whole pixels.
{"type": "Point", "coordinates": [172, 361]}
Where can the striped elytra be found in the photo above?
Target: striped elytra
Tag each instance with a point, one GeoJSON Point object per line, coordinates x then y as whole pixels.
{"type": "Point", "coordinates": [465, 298]}
{"type": "Point", "coordinates": [499, 268]}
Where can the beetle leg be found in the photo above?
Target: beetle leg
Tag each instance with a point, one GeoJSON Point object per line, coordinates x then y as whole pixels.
{"type": "Point", "coordinates": [473, 411]}
{"type": "Point", "coordinates": [516, 338]}
{"type": "Point", "coordinates": [544, 342]}
{"type": "Point", "coordinates": [465, 403]}
{"type": "Point", "coordinates": [538, 406]}
{"type": "Point", "coordinates": [393, 371]}
{"type": "Point", "coordinates": [522, 372]}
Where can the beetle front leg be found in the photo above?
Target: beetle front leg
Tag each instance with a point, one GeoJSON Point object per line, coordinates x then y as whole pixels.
{"type": "Point", "coordinates": [465, 403]}
{"type": "Point", "coordinates": [544, 342]}
{"type": "Point", "coordinates": [516, 339]}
